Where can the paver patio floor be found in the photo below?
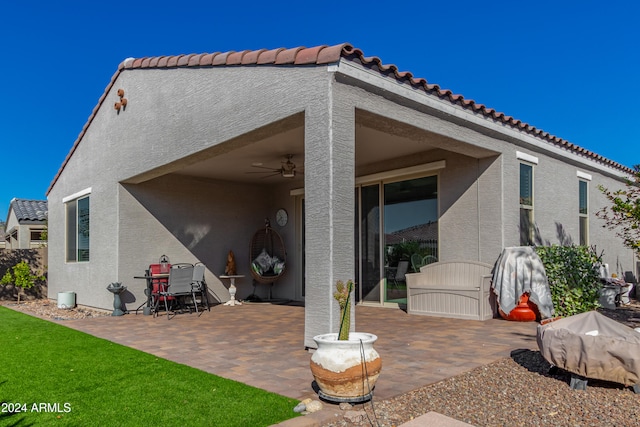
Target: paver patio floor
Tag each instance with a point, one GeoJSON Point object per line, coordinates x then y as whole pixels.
{"type": "Point", "coordinates": [262, 344]}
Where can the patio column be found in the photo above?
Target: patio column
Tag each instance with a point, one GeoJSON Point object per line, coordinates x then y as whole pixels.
{"type": "Point", "coordinates": [329, 210]}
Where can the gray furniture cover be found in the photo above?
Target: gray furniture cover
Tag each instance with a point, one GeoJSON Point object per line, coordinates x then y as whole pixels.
{"type": "Point", "coordinates": [519, 270]}
{"type": "Point", "coordinates": [593, 346]}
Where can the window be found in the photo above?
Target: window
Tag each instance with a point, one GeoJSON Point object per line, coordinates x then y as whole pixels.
{"type": "Point", "coordinates": [526, 204]}
{"type": "Point", "coordinates": [583, 212]}
{"type": "Point", "coordinates": [36, 236]}
{"type": "Point", "coordinates": [77, 211]}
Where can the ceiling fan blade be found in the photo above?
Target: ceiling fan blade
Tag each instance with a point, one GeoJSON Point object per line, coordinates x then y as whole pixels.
{"type": "Point", "coordinates": [273, 174]}
{"type": "Point", "coordinates": [265, 167]}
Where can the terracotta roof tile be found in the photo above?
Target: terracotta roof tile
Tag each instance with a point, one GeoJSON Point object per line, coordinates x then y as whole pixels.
{"type": "Point", "coordinates": [288, 56]}
{"type": "Point", "coordinates": [330, 54]}
{"type": "Point", "coordinates": [221, 58]}
{"type": "Point", "coordinates": [269, 56]}
{"type": "Point", "coordinates": [251, 57]}
{"type": "Point", "coordinates": [235, 58]}
{"type": "Point", "coordinates": [194, 60]}
{"type": "Point", "coordinates": [322, 55]}
{"type": "Point", "coordinates": [308, 56]}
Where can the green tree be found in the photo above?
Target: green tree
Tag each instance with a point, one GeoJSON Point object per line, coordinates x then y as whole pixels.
{"type": "Point", "coordinates": [623, 214]}
{"type": "Point", "coordinates": [21, 276]}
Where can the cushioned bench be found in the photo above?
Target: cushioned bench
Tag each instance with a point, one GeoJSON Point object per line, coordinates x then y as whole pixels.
{"type": "Point", "coordinates": [458, 289]}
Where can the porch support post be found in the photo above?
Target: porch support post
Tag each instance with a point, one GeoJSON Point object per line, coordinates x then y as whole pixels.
{"type": "Point", "coordinates": [329, 170]}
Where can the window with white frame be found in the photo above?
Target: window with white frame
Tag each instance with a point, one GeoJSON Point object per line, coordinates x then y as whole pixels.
{"type": "Point", "coordinates": [526, 204]}
{"type": "Point", "coordinates": [77, 228]}
{"type": "Point", "coordinates": [583, 210]}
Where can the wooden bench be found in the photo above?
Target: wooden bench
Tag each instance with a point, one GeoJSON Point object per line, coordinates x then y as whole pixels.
{"type": "Point", "coordinates": [458, 289]}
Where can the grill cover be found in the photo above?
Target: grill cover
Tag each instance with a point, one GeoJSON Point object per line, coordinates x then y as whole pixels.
{"type": "Point", "coordinates": [593, 346]}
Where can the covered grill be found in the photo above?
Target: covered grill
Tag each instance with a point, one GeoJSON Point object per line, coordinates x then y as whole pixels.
{"type": "Point", "coordinates": [591, 345]}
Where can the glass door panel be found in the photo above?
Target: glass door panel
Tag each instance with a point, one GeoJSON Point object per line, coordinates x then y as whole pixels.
{"type": "Point", "coordinates": [410, 231]}
{"type": "Point", "coordinates": [369, 227]}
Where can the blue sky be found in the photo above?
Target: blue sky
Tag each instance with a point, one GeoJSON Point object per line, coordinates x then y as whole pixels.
{"type": "Point", "coordinates": [569, 68]}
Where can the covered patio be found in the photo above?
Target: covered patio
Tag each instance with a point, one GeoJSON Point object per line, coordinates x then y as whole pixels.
{"type": "Point", "coordinates": [259, 344]}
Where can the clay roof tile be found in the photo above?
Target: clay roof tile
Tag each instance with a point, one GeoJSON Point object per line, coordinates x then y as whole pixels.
{"type": "Point", "coordinates": [221, 58]}
{"type": "Point", "coordinates": [269, 56]}
{"type": "Point", "coordinates": [288, 56]}
{"type": "Point", "coordinates": [251, 57]}
{"type": "Point", "coordinates": [308, 55]}
{"type": "Point", "coordinates": [235, 58]}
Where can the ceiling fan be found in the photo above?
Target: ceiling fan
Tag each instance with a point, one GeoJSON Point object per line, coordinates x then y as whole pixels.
{"type": "Point", "coordinates": [286, 170]}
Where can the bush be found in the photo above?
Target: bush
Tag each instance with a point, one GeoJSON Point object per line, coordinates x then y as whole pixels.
{"type": "Point", "coordinates": [573, 273]}
{"type": "Point", "coordinates": [21, 276]}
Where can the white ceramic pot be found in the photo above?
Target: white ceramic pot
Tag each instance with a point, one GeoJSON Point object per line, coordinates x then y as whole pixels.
{"type": "Point", "coordinates": [346, 370]}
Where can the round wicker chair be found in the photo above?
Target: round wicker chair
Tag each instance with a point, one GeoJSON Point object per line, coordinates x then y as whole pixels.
{"type": "Point", "coordinates": [268, 257]}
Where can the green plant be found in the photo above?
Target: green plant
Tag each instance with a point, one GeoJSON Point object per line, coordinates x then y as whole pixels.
{"type": "Point", "coordinates": [624, 213]}
{"type": "Point", "coordinates": [21, 276]}
{"type": "Point", "coordinates": [343, 296]}
{"type": "Point", "coordinates": [573, 277]}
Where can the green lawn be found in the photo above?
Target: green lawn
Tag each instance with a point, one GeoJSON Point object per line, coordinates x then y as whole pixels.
{"type": "Point", "coordinates": [60, 376]}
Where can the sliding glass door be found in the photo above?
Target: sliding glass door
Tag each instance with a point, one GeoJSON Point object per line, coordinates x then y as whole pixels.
{"type": "Point", "coordinates": [396, 233]}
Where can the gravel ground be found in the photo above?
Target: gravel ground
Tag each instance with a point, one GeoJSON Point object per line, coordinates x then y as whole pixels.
{"type": "Point", "coordinates": [516, 391]}
{"type": "Point", "coordinates": [48, 309]}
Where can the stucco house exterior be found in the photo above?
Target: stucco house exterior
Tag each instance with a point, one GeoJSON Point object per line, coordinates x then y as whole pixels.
{"type": "Point", "coordinates": [26, 224]}
{"type": "Point", "coordinates": [169, 163]}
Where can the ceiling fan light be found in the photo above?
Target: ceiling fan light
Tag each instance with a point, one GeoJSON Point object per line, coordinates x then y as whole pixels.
{"type": "Point", "coordinates": [288, 174]}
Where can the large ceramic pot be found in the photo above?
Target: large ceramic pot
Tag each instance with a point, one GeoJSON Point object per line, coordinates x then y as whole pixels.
{"type": "Point", "coordinates": [339, 369]}
{"type": "Point", "coordinates": [525, 311]}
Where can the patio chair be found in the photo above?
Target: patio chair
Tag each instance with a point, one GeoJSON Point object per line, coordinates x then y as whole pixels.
{"type": "Point", "coordinates": [159, 279]}
{"type": "Point", "coordinates": [398, 275]}
{"type": "Point", "coordinates": [180, 280]}
{"type": "Point", "coordinates": [429, 259]}
{"type": "Point", "coordinates": [199, 286]}
{"type": "Point", "coordinates": [416, 262]}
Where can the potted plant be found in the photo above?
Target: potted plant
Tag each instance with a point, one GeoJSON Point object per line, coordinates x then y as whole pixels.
{"type": "Point", "coordinates": [345, 366]}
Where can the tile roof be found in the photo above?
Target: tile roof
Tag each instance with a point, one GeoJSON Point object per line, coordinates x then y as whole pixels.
{"type": "Point", "coordinates": [323, 55]}
{"type": "Point", "coordinates": [29, 210]}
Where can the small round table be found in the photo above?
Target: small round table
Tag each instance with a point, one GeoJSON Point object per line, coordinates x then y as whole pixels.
{"type": "Point", "coordinates": [232, 288]}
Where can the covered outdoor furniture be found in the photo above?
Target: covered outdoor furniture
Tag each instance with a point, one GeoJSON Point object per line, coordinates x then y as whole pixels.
{"type": "Point", "coordinates": [179, 286]}
{"type": "Point", "coordinates": [517, 271]}
{"type": "Point", "coordinates": [458, 289]}
{"type": "Point", "coordinates": [590, 345]}
{"type": "Point", "coordinates": [268, 257]}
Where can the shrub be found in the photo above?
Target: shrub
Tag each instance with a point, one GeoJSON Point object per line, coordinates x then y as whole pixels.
{"type": "Point", "coordinates": [573, 276]}
{"type": "Point", "coordinates": [21, 276]}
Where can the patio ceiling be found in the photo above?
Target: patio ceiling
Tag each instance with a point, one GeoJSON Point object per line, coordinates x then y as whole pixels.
{"type": "Point", "coordinates": [378, 141]}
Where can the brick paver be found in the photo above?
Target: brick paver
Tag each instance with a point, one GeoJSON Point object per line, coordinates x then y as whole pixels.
{"type": "Point", "coordinates": [262, 344]}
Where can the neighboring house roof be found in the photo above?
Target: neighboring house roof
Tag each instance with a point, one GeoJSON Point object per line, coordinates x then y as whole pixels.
{"type": "Point", "coordinates": [418, 233]}
{"type": "Point", "coordinates": [29, 210]}
{"type": "Point", "coordinates": [323, 55]}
